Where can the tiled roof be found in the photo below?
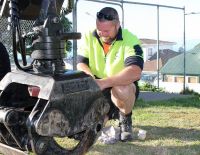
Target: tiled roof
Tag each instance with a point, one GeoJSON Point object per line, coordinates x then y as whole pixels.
{"type": "Point", "coordinates": [192, 62]}
{"type": "Point", "coordinates": [164, 56]}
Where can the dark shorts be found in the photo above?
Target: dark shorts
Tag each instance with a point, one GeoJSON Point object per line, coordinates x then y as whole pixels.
{"type": "Point", "coordinates": [114, 111]}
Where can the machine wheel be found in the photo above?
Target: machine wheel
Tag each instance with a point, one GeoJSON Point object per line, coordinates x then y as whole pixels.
{"type": "Point", "coordinates": [49, 146]}
{"type": "Point", "coordinates": [44, 145]}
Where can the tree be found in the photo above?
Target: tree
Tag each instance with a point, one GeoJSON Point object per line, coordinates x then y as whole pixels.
{"type": "Point", "coordinates": [181, 49]}
{"type": "Point", "coordinates": [67, 27]}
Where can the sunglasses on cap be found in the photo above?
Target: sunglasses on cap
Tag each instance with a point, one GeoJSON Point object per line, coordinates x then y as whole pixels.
{"type": "Point", "coordinates": [106, 17]}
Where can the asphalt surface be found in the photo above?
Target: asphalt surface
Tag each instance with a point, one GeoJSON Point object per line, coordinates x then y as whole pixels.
{"type": "Point", "coordinates": [156, 96]}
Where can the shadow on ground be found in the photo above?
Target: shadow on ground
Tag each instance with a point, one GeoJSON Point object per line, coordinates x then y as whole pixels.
{"type": "Point", "coordinates": [187, 142]}
{"type": "Point", "coordinates": [159, 96]}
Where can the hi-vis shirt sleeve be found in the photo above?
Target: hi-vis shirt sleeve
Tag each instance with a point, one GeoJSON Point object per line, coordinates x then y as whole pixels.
{"type": "Point", "coordinates": [83, 50]}
{"type": "Point", "coordinates": [133, 52]}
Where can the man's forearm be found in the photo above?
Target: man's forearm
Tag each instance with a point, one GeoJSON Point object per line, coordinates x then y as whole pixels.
{"type": "Point", "coordinates": [125, 77]}
{"type": "Point", "coordinates": [83, 67]}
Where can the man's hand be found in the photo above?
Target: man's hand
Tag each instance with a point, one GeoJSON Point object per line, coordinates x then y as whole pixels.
{"type": "Point", "coordinates": [101, 83]}
{"type": "Point", "coordinates": [127, 76]}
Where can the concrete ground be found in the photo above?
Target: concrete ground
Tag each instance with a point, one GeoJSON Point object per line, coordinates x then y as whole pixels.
{"type": "Point", "coordinates": [156, 96]}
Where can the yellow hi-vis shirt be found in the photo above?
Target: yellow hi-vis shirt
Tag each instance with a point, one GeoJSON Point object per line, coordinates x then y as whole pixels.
{"type": "Point", "coordinates": [124, 51]}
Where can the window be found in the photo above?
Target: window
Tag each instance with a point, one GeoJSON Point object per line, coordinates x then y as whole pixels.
{"type": "Point", "coordinates": [150, 51]}
{"type": "Point", "coordinates": [179, 79]}
{"type": "Point", "coordinates": [168, 78]}
{"type": "Point", "coordinates": [192, 79]}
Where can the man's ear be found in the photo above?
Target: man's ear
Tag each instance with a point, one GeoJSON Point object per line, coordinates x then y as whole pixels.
{"type": "Point", "coordinates": [118, 24]}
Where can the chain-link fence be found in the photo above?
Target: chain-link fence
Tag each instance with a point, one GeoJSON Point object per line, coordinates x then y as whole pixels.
{"type": "Point", "coordinates": [6, 35]}
{"type": "Point", "coordinates": [162, 31]}
{"type": "Point", "coordinates": [26, 26]}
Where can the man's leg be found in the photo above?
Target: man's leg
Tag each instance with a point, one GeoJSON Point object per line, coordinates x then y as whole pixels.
{"type": "Point", "coordinates": [124, 98]}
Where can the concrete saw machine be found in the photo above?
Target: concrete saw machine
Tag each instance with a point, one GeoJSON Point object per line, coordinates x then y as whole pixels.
{"type": "Point", "coordinates": [43, 102]}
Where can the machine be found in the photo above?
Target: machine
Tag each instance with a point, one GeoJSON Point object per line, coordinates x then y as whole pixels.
{"type": "Point", "coordinates": [43, 102]}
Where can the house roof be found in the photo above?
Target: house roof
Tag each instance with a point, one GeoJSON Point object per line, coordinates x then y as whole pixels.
{"type": "Point", "coordinates": [164, 56]}
{"type": "Point", "coordinates": [146, 41]}
{"type": "Point", "coordinates": [175, 66]}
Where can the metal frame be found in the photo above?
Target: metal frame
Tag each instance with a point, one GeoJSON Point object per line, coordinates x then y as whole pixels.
{"type": "Point", "coordinates": [120, 3]}
{"type": "Point", "coordinates": [75, 24]}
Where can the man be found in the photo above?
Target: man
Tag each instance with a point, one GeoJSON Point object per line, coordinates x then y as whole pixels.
{"type": "Point", "coordinates": [114, 58]}
{"type": "Point", "coordinates": [4, 61]}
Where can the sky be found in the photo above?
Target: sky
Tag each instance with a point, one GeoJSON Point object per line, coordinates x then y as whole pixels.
{"type": "Point", "coordinates": [142, 19]}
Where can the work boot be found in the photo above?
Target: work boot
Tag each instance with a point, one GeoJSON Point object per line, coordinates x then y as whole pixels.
{"type": "Point", "coordinates": [125, 124]}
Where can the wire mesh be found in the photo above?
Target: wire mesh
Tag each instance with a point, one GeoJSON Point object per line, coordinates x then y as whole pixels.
{"type": "Point", "coordinates": [6, 35]}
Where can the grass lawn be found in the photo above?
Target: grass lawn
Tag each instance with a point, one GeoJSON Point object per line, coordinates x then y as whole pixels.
{"type": "Point", "coordinates": [173, 128]}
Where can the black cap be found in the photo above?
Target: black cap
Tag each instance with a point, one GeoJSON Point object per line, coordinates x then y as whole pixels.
{"type": "Point", "coordinates": [107, 13]}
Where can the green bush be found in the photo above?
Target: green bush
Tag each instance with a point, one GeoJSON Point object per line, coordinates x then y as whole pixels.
{"type": "Point", "coordinates": [146, 86]}
{"type": "Point", "coordinates": [189, 92]}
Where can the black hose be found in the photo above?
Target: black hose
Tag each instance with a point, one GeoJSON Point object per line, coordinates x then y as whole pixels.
{"type": "Point", "coordinates": [16, 31]}
{"type": "Point", "coordinates": [27, 68]}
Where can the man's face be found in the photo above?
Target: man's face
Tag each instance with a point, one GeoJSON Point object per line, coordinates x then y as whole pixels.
{"type": "Point", "coordinates": [107, 30]}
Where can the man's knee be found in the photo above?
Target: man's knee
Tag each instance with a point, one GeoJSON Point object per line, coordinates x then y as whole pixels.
{"type": "Point", "coordinates": [123, 93]}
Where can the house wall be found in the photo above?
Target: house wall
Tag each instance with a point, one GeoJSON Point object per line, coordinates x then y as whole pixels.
{"type": "Point", "coordinates": [172, 87]}
{"type": "Point", "coordinates": [174, 84]}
